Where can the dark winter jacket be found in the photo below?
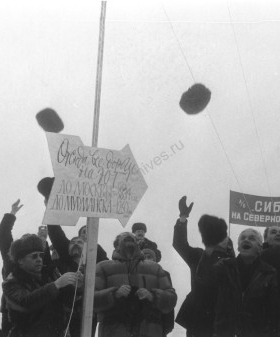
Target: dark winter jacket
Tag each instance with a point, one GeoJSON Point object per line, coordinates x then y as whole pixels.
{"type": "Point", "coordinates": [199, 304]}
{"type": "Point", "coordinates": [6, 240]}
{"type": "Point", "coordinates": [247, 304]}
{"type": "Point", "coordinates": [35, 306]}
{"type": "Point", "coordinates": [130, 316]}
{"type": "Point", "coordinates": [271, 255]}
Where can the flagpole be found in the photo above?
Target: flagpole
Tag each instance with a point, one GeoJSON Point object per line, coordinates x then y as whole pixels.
{"type": "Point", "coordinates": [93, 223]}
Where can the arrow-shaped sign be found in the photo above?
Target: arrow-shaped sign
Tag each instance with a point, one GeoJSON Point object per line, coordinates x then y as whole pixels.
{"type": "Point", "coordinates": [91, 182]}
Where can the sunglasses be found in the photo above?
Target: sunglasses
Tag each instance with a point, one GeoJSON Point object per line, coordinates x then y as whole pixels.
{"type": "Point", "coordinates": [35, 256]}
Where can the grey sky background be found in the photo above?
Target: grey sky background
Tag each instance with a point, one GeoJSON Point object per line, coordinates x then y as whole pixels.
{"type": "Point", "coordinates": [154, 51]}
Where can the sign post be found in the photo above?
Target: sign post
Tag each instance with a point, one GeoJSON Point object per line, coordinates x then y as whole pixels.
{"type": "Point", "coordinates": [95, 183]}
{"type": "Point", "coordinates": [92, 182]}
{"type": "Point", "coordinates": [93, 223]}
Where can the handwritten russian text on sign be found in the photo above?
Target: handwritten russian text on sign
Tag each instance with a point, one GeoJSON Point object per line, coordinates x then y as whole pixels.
{"type": "Point", "coordinates": [91, 182]}
{"type": "Point", "coordinates": [252, 210]}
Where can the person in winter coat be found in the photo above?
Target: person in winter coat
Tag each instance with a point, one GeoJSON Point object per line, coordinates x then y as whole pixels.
{"type": "Point", "coordinates": [139, 229]}
{"type": "Point", "coordinates": [34, 300]}
{"type": "Point", "coordinates": [70, 253]}
{"type": "Point", "coordinates": [167, 319]}
{"type": "Point", "coordinates": [196, 314]}
{"type": "Point", "coordinates": [247, 304]}
{"type": "Point", "coordinates": [271, 249]}
{"type": "Point", "coordinates": [6, 239]}
{"type": "Point", "coordinates": [130, 293]}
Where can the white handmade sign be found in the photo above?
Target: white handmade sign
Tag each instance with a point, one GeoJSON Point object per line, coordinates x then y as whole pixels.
{"type": "Point", "coordinates": [91, 182]}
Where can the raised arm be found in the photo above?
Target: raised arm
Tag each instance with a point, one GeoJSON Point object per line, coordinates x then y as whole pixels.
{"type": "Point", "coordinates": [180, 236]}
{"type": "Point", "coordinates": [6, 237]}
{"type": "Point", "coordinates": [59, 240]}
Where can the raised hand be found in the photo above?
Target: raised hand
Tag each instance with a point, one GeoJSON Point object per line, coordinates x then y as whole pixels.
{"type": "Point", "coordinates": [16, 207]}
{"type": "Point", "coordinates": [183, 208]}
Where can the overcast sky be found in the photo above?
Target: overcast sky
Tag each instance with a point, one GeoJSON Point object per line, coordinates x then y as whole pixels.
{"type": "Point", "coordinates": [154, 51]}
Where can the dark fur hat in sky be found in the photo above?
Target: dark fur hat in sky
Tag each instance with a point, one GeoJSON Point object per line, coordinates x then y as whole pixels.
{"type": "Point", "coordinates": [49, 120]}
{"type": "Point", "coordinates": [213, 230]}
{"type": "Point", "coordinates": [195, 99]}
{"type": "Point", "coordinates": [45, 186]}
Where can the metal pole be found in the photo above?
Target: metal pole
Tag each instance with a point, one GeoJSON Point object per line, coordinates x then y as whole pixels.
{"type": "Point", "coordinates": [93, 223]}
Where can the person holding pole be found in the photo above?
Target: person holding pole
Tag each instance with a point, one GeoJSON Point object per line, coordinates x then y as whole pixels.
{"type": "Point", "coordinates": [34, 300]}
{"type": "Point", "coordinates": [6, 240]}
{"type": "Point", "coordinates": [70, 255]}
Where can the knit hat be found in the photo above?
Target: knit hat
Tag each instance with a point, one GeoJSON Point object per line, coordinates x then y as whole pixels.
{"type": "Point", "coordinates": [27, 244]}
{"type": "Point", "coordinates": [45, 186]}
{"type": "Point", "coordinates": [212, 229]}
{"type": "Point", "coordinates": [150, 252]}
{"type": "Point", "coordinates": [138, 225]}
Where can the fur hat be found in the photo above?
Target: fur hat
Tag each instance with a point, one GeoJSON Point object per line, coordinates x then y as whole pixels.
{"type": "Point", "coordinates": [28, 243]}
{"type": "Point", "coordinates": [45, 186]}
{"type": "Point", "coordinates": [212, 229]}
{"type": "Point", "coordinates": [195, 99]}
{"type": "Point", "coordinates": [150, 252]}
{"type": "Point", "coordinates": [49, 120]}
{"type": "Point", "coordinates": [138, 225]}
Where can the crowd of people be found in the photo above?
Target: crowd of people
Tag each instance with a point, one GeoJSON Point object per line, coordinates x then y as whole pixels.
{"type": "Point", "coordinates": [231, 295]}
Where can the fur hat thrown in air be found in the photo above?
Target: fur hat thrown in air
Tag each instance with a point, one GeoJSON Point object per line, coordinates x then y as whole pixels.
{"type": "Point", "coordinates": [138, 225]}
{"type": "Point", "coordinates": [45, 186]}
{"type": "Point", "coordinates": [195, 99]}
{"type": "Point", "coordinates": [27, 244]}
{"type": "Point", "coordinates": [49, 120]}
{"type": "Point", "coordinates": [212, 229]}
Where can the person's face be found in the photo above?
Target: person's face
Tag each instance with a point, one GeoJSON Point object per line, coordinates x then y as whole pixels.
{"type": "Point", "coordinates": [149, 257]}
{"type": "Point", "coordinates": [32, 263]}
{"type": "Point", "coordinates": [273, 236]}
{"type": "Point", "coordinates": [249, 244]}
{"type": "Point", "coordinates": [139, 234]}
{"type": "Point", "coordinates": [127, 241]}
{"type": "Point", "coordinates": [83, 234]}
{"type": "Point", "coordinates": [76, 247]}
